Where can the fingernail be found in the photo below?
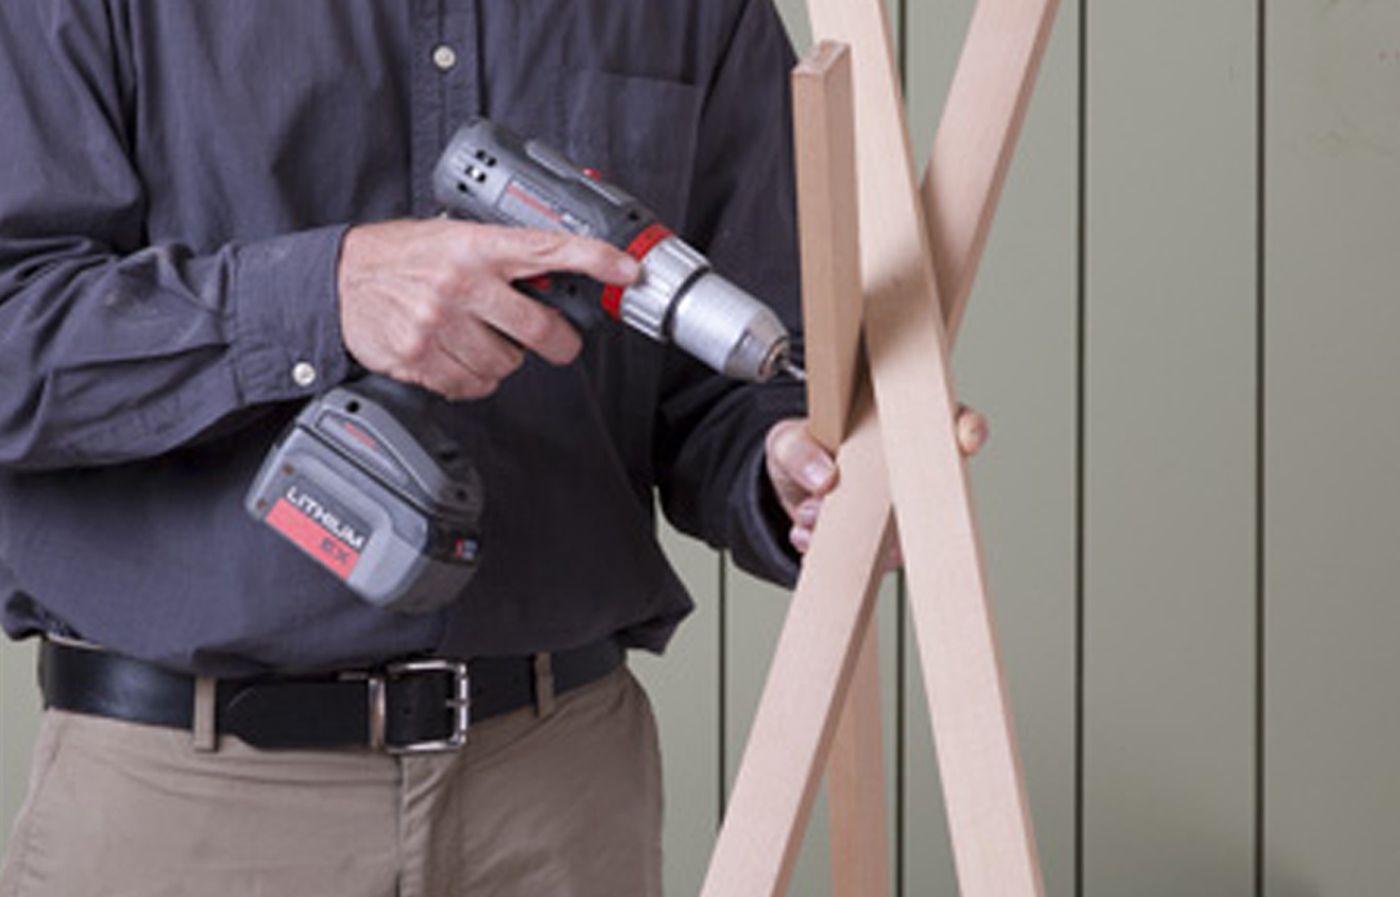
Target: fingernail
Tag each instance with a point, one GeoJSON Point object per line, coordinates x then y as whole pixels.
{"type": "Point", "coordinates": [801, 538]}
{"type": "Point", "coordinates": [627, 268]}
{"type": "Point", "coordinates": [817, 472]}
{"type": "Point", "coordinates": [807, 513]}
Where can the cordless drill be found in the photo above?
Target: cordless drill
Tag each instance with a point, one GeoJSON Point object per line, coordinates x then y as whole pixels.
{"type": "Point", "coordinates": [491, 174]}
{"type": "Point", "coordinates": [365, 482]}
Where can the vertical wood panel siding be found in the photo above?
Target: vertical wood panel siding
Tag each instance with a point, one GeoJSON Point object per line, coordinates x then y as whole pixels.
{"type": "Point", "coordinates": [937, 29]}
{"type": "Point", "coordinates": [1169, 502]}
{"type": "Point", "coordinates": [19, 722]}
{"type": "Point", "coordinates": [1332, 449]}
{"type": "Point", "coordinates": [1192, 282]}
{"type": "Point", "coordinates": [685, 688]}
{"type": "Point", "coordinates": [1016, 362]}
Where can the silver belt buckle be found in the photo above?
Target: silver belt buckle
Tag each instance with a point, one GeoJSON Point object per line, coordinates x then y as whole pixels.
{"type": "Point", "coordinates": [459, 704]}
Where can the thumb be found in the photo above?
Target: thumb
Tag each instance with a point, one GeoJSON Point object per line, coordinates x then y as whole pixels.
{"type": "Point", "coordinates": [797, 464]}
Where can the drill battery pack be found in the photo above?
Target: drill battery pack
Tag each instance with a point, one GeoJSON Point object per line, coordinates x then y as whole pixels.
{"type": "Point", "coordinates": [393, 514]}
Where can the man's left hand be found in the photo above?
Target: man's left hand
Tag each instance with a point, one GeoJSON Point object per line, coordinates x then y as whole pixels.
{"type": "Point", "coordinates": [804, 473]}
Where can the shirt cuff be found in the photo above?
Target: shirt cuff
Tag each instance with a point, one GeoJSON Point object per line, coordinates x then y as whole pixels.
{"type": "Point", "coordinates": [763, 548]}
{"type": "Point", "coordinates": [286, 307]}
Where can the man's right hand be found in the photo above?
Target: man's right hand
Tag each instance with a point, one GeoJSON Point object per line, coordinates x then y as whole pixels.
{"type": "Point", "coordinates": [431, 302]}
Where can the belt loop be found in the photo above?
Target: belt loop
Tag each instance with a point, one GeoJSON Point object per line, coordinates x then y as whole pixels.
{"type": "Point", "coordinates": [203, 726]}
{"type": "Point", "coordinates": [544, 684]}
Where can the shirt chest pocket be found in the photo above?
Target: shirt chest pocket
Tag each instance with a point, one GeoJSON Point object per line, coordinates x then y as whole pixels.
{"type": "Point", "coordinates": [639, 133]}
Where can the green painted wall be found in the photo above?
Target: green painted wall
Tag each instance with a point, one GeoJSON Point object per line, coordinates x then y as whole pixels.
{"type": "Point", "coordinates": [19, 722]}
{"type": "Point", "coordinates": [1187, 337]}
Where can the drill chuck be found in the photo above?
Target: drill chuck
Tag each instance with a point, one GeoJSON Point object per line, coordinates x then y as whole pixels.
{"type": "Point", "coordinates": [668, 270]}
{"type": "Point", "coordinates": [724, 327]}
{"type": "Point", "coordinates": [680, 299]}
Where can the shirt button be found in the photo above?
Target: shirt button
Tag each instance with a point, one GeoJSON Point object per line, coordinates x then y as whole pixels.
{"type": "Point", "coordinates": [304, 373]}
{"type": "Point", "coordinates": [444, 57]}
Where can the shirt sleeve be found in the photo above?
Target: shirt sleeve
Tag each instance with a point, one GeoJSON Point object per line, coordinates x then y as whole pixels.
{"type": "Point", "coordinates": [113, 349]}
{"type": "Point", "coordinates": [711, 430]}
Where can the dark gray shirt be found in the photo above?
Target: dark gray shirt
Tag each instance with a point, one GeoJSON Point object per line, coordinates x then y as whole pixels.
{"type": "Point", "coordinates": [175, 179]}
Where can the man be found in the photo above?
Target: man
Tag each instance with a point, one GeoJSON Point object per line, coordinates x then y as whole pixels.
{"type": "Point", "coordinates": [211, 211]}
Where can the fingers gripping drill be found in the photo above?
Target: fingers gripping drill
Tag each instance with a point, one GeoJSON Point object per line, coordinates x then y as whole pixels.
{"type": "Point", "coordinates": [366, 483]}
{"type": "Point", "coordinates": [491, 174]}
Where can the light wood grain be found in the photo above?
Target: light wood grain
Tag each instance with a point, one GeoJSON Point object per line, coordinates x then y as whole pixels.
{"type": "Point", "coordinates": [778, 776]}
{"type": "Point", "coordinates": [812, 666]}
{"type": "Point", "coordinates": [855, 783]}
{"type": "Point", "coordinates": [831, 307]}
{"type": "Point", "coordinates": [1015, 359]}
{"type": "Point", "coordinates": [985, 799]}
{"type": "Point", "coordinates": [828, 218]}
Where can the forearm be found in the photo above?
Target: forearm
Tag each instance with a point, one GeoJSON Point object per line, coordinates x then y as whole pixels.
{"type": "Point", "coordinates": [115, 344]}
{"type": "Point", "coordinates": [106, 358]}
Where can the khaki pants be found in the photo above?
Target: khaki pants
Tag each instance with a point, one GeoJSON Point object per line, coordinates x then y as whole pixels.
{"type": "Point", "coordinates": [568, 805]}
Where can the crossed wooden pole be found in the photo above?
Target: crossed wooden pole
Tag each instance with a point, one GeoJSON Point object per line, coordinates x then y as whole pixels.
{"type": "Point", "coordinates": [912, 258]}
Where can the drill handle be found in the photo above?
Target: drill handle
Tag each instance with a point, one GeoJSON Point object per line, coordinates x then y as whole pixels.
{"type": "Point", "coordinates": [574, 296]}
{"type": "Point", "coordinates": [419, 412]}
{"type": "Point", "coordinates": [409, 402]}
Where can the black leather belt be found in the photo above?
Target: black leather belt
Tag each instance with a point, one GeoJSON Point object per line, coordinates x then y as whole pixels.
{"type": "Point", "coordinates": [408, 707]}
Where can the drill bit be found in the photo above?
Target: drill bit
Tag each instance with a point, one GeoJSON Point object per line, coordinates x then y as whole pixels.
{"type": "Point", "coordinates": [795, 372]}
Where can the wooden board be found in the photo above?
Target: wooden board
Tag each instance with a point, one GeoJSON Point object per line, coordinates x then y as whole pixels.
{"type": "Point", "coordinates": [859, 811]}
{"type": "Point", "coordinates": [1016, 360]}
{"type": "Point", "coordinates": [831, 311]}
{"type": "Point", "coordinates": [783, 787]}
{"type": "Point", "coordinates": [757, 611]}
{"type": "Point", "coordinates": [756, 617]}
{"type": "Point", "coordinates": [777, 782]}
{"type": "Point", "coordinates": [989, 819]}
{"type": "Point", "coordinates": [828, 215]}
{"type": "Point", "coordinates": [977, 137]}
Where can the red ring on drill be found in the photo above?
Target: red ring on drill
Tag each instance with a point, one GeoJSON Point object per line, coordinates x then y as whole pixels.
{"type": "Point", "coordinates": [641, 245]}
